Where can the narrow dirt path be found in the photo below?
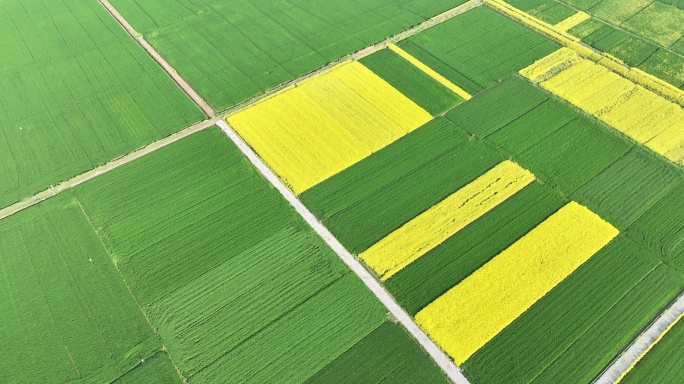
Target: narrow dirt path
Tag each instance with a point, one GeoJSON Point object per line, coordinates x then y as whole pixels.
{"type": "Point", "coordinates": [443, 361]}
{"type": "Point", "coordinates": [196, 98]}
{"type": "Point", "coordinates": [76, 180]}
{"type": "Point", "coordinates": [642, 344]}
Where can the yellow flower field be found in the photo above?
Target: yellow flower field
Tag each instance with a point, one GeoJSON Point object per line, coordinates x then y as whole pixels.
{"type": "Point", "coordinates": [432, 227]}
{"type": "Point", "coordinates": [327, 123]}
{"type": "Point", "coordinates": [659, 123]}
{"type": "Point", "coordinates": [470, 314]}
{"type": "Point", "coordinates": [572, 21]}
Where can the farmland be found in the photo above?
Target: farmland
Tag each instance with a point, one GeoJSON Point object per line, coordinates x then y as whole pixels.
{"type": "Point", "coordinates": [71, 101]}
{"type": "Point", "coordinates": [496, 196]}
{"type": "Point", "coordinates": [232, 52]}
{"type": "Point", "coordinates": [643, 34]}
{"type": "Point", "coordinates": [512, 190]}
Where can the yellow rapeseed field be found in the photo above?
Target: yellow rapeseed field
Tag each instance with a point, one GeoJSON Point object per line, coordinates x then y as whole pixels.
{"type": "Point", "coordinates": [470, 314]}
{"type": "Point", "coordinates": [430, 72]}
{"type": "Point", "coordinates": [631, 109]}
{"type": "Point", "coordinates": [572, 21]}
{"type": "Point", "coordinates": [327, 123]}
{"type": "Point", "coordinates": [432, 227]}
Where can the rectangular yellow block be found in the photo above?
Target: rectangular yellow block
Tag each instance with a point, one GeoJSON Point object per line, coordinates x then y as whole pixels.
{"type": "Point", "coordinates": [327, 123]}
{"type": "Point", "coordinates": [473, 312]}
{"type": "Point", "coordinates": [572, 21]}
{"type": "Point", "coordinates": [432, 227]}
{"type": "Point", "coordinates": [430, 72]}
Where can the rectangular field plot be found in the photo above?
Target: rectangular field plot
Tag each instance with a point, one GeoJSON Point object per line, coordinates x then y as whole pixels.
{"type": "Point", "coordinates": [232, 51]}
{"type": "Point", "coordinates": [76, 91]}
{"type": "Point", "coordinates": [238, 287]}
{"type": "Point", "coordinates": [67, 315]}
{"type": "Point", "coordinates": [477, 49]}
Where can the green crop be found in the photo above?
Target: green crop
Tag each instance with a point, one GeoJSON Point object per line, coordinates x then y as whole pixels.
{"type": "Point", "coordinates": [77, 91]}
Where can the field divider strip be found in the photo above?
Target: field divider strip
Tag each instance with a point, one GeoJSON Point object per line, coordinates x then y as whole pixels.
{"type": "Point", "coordinates": [104, 168]}
{"type": "Point", "coordinates": [443, 361]}
{"type": "Point", "coordinates": [643, 343]}
{"type": "Point", "coordinates": [184, 85]}
{"type": "Point", "coordinates": [610, 62]}
{"type": "Point", "coordinates": [430, 72]}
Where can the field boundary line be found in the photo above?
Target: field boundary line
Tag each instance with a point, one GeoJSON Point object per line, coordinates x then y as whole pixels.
{"type": "Point", "coordinates": [104, 168]}
{"type": "Point", "coordinates": [633, 74]}
{"type": "Point", "coordinates": [180, 81]}
{"type": "Point", "coordinates": [643, 343]}
{"type": "Point", "coordinates": [443, 361]}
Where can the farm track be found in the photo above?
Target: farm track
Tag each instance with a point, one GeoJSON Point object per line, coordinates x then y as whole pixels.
{"type": "Point", "coordinates": [184, 85]}
{"type": "Point", "coordinates": [642, 344]}
{"type": "Point", "coordinates": [443, 361]}
{"type": "Point", "coordinates": [76, 180]}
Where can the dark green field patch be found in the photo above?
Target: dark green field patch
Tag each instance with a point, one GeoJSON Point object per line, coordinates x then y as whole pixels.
{"type": "Point", "coordinates": [363, 224]}
{"type": "Point", "coordinates": [628, 188]}
{"type": "Point", "coordinates": [541, 336]}
{"type": "Point", "coordinates": [607, 43]}
{"type": "Point", "coordinates": [412, 82]}
{"type": "Point", "coordinates": [481, 45]}
{"type": "Point", "coordinates": [633, 50]}
{"type": "Point", "coordinates": [662, 364]}
{"type": "Point", "coordinates": [387, 355]}
{"type": "Point", "coordinates": [666, 65]}
{"type": "Point", "coordinates": [533, 126]}
{"type": "Point", "coordinates": [498, 106]}
{"type": "Point", "coordinates": [574, 154]}
{"type": "Point", "coordinates": [661, 227]}
{"type": "Point", "coordinates": [586, 28]}
{"type": "Point", "coordinates": [622, 323]}
{"type": "Point", "coordinates": [601, 33]}
{"type": "Point", "coordinates": [383, 167]}
{"type": "Point", "coordinates": [553, 14]}
{"type": "Point", "coordinates": [427, 278]}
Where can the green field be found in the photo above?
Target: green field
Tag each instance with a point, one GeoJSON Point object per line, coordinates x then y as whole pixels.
{"type": "Point", "coordinates": [67, 315]}
{"type": "Point", "coordinates": [235, 283]}
{"type": "Point", "coordinates": [77, 91]}
{"type": "Point", "coordinates": [477, 49]}
{"type": "Point", "coordinates": [232, 51]}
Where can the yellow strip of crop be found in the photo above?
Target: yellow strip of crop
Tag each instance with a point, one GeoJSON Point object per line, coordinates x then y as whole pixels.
{"type": "Point", "coordinates": [432, 227]}
{"type": "Point", "coordinates": [629, 108]}
{"type": "Point", "coordinates": [560, 36]}
{"type": "Point", "coordinates": [327, 123]}
{"type": "Point", "coordinates": [669, 327]}
{"type": "Point", "coordinates": [572, 21]}
{"type": "Point", "coordinates": [473, 312]}
{"type": "Point", "coordinates": [430, 72]}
